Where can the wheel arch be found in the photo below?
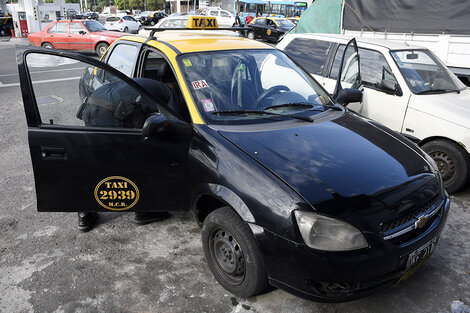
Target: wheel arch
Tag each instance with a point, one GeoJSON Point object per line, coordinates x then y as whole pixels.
{"type": "Point", "coordinates": [48, 43]}
{"type": "Point", "coordinates": [209, 197]}
{"type": "Point", "coordinates": [433, 138]}
{"type": "Point", "coordinates": [101, 41]}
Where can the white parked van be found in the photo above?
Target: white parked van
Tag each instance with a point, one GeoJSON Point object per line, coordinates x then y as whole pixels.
{"type": "Point", "coordinates": [406, 88]}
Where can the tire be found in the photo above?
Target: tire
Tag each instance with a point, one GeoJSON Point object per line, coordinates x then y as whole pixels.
{"type": "Point", "coordinates": [232, 253]}
{"type": "Point", "coordinates": [101, 48]}
{"type": "Point", "coordinates": [453, 163]}
{"type": "Point", "coordinates": [126, 30]}
{"type": "Point", "coordinates": [251, 35]}
{"type": "Point", "coordinates": [47, 45]}
{"type": "Point", "coordinates": [152, 23]}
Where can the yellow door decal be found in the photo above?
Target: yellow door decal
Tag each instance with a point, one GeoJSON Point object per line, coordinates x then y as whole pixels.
{"type": "Point", "coordinates": [116, 193]}
{"type": "Point", "coordinates": [268, 32]}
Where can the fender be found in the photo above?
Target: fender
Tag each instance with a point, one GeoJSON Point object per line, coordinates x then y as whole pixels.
{"type": "Point", "coordinates": [224, 195]}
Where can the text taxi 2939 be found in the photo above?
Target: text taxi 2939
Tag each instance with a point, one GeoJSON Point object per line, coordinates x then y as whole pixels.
{"type": "Point", "coordinates": [290, 187]}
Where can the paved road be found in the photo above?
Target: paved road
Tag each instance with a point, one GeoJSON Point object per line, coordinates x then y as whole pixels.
{"type": "Point", "coordinates": [46, 265]}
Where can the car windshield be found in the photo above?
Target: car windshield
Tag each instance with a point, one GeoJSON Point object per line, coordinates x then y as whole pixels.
{"type": "Point", "coordinates": [285, 23]}
{"type": "Point", "coordinates": [425, 73]}
{"type": "Point", "coordinates": [251, 86]}
{"type": "Point", "coordinates": [94, 26]}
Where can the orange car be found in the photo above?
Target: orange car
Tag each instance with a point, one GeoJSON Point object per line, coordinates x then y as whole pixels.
{"type": "Point", "coordinates": [75, 35]}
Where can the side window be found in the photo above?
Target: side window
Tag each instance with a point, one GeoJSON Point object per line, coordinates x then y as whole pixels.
{"type": "Point", "coordinates": [123, 58]}
{"type": "Point", "coordinates": [260, 21]}
{"type": "Point", "coordinates": [337, 62]}
{"type": "Point", "coordinates": [165, 24]}
{"type": "Point", "coordinates": [75, 98]}
{"type": "Point", "coordinates": [157, 68]}
{"type": "Point", "coordinates": [53, 28]}
{"type": "Point", "coordinates": [374, 68]}
{"type": "Point", "coordinates": [310, 54]}
{"type": "Point", "coordinates": [271, 23]}
{"type": "Point", "coordinates": [75, 28]}
{"type": "Point", "coordinates": [224, 14]}
{"type": "Point", "coordinates": [214, 13]}
{"type": "Point", "coordinates": [59, 28]}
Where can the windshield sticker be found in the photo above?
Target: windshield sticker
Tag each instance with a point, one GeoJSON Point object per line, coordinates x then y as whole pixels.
{"type": "Point", "coordinates": [116, 193]}
{"type": "Point", "coordinates": [187, 62]}
{"type": "Point", "coordinates": [397, 58]}
{"type": "Point", "coordinates": [242, 67]}
{"type": "Point", "coordinates": [208, 105]}
{"type": "Point", "coordinates": [199, 84]}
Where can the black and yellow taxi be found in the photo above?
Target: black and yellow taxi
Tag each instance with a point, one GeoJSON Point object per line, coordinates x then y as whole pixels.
{"type": "Point", "coordinates": [289, 187]}
{"type": "Point", "coordinates": [269, 28]}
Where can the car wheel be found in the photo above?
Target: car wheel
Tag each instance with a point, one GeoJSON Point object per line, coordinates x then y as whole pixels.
{"type": "Point", "coordinates": [47, 45]}
{"type": "Point", "coordinates": [126, 30]}
{"type": "Point", "coordinates": [251, 35]}
{"type": "Point", "coordinates": [101, 48]}
{"type": "Point", "coordinates": [452, 161]}
{"type": "Point", "coordinates": [2, 32]}
{"type": "Point", "coordinates": [152, 23]}
{"type": "Point", "coordinates": [232, 253]}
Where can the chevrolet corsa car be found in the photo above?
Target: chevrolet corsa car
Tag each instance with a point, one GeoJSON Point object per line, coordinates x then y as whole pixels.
{"type": "Point", "coordinates": [290, 188]}
{"type": "Point", "coordinates": [75, 35]}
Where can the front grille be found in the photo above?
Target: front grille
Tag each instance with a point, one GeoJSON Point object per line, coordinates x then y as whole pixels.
{"type": "Point", "coordinates": [406, 223]}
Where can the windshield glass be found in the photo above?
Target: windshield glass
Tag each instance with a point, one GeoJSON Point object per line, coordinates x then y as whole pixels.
{"type": "Point", "coordinates": [94, 26]}
{"type": "Point", "coordinates": [424, 73]}
{"type": "Point", "coordinates": [250, 86]}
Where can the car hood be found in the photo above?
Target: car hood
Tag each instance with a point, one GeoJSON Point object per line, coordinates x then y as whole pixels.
{"type": "Point", "coordinates": [109, 34]}
{"type": "Point", "coordinates": [452, 107]}
{"type": "Point", "coordinates": [344, 157]}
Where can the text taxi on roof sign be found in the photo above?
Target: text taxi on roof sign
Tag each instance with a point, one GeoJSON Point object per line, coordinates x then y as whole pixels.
{"type": "Point", "coordinates": [290, 187]}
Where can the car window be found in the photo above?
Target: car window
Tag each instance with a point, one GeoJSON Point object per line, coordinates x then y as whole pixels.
{"type": "Point", "coordinates": [59, 28]}
{"type": "Point", "coordinates": [53, 28]}
{"type": "Point", "coordinates": [176, 23]}
{"type": "Point", "coordinates": [76, 98]}
{"type": "Point", "coordinates": [123, 58]}
{"type": "Point", "coordinates": [373, 65]}
{"type": "Point", "coordinates": [271, 23]}
{"type": "Point", "coordinates": [112, 19]}
{"type": "Point", "coordinates": [214, 13]}
{"type": "Point", "coordinates": [224, 14]}
{"type": "Point", "coordinates": [75, 28]}
{"type": "Point", "coordinates": [260, 21]}
{"type": "Point", "coordinates": [164, 24]}
{"type": "Point", "coordinates": [309, 53]}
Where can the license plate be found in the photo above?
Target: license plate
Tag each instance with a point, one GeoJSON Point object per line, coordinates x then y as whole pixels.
{"type": "Point", "coordinates": [418, 258]}
{"type": "Point", "coordinates": [421, 253]}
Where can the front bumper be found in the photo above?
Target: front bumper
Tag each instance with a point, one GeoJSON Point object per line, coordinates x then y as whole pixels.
{"type": "Point", "coordinates": [339, 276]}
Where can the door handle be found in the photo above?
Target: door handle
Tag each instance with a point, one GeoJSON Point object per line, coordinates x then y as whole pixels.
{"type": "Point", "coordinates": [52, 35]}
{"type": "Point", "coordinates": [53, 153]}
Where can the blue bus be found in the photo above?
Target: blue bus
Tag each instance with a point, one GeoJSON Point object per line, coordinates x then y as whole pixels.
{"type": "Point", "coordinates": [266, 8]}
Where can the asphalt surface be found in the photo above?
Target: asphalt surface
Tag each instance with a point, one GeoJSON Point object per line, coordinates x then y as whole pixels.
{"type": "Point", "coordinates": [47, 265]}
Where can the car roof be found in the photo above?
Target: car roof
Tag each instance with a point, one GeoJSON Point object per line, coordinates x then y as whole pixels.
{"type": "Point", "coordinates": [392, 45]}
{"type": "Point", "coordinates": [200, 40]}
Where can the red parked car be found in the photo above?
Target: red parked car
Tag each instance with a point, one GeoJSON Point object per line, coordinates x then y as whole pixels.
{"type": "Point", "coordinates": [75, 35]}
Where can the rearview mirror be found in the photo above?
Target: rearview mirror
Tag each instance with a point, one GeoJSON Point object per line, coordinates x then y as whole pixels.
{"type": "Point", "coordinates": [154, 124]}
{"type": "Point", "coordinates": [348, 95]}
{"type": "Point", "coordinates": [82, 32]}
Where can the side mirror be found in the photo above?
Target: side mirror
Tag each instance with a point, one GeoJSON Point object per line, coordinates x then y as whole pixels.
{"type": "Point", "coordinates": [154, 124]}
{"type": "Point", "coordinates": [348, 95]}
{"type": "Point", "coordinates": [82, 32]}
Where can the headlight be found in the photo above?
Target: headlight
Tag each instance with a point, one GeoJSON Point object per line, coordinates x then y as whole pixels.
{"type": "Point", "coordinates": [328, 234]}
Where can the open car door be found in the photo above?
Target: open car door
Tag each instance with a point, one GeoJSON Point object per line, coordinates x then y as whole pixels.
{"type": "Point", "coordinates": [349, 75]}
{"type": "Point", "coordinates": [89, 147]}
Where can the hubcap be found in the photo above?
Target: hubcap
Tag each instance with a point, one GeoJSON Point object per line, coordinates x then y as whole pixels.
{"type": "Point", "coordinates": [102, 50]}
{"type": "Point", "coordinates": [227, 256]}
{"type": "Point", "coordinates": [445, 164]}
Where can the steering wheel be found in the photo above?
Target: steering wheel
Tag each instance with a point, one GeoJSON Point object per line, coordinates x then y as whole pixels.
{"type": "Point", "coordinates": [270, 91]}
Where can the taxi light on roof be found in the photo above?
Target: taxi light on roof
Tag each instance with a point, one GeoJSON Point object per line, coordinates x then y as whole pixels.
{"type": "Point", "coordinates": [202, 22]}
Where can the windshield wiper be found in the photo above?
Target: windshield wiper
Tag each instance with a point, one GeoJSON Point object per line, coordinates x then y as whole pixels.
{"type": "Point", "coordinates": [289, 105]}
{"type": "Point", "coordinates": [237, 112]}
{"type": "Point", "coordinates": [303, 105]}
{"type": "Point", "coordinates": [431, 91]}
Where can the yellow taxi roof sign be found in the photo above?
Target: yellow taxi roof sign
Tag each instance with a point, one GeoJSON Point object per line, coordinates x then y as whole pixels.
{"type": "Point", "coordinates": [202, 22]}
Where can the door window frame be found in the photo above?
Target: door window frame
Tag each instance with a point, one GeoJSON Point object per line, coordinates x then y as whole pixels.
{"type": "Point", "coordinates": [33, 116]}
{"type": "Point", "coordinates": [332, 60]}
